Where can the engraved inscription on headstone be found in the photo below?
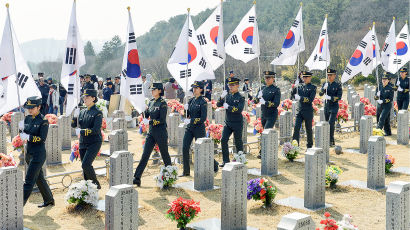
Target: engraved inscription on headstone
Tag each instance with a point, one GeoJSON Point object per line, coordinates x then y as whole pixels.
{"type": "Point", "coordinates": [118, 140]}
{"type": "Point", "coordinates": [64, 131]}
{"type": "Point", "coordinates": [366, 129]}
{"type": "Point", "coordinates": [322, 114]}
{"type": "Point", "coordinates": [119, 123]}
{"type": "Point", "coordinates": [181, 133]}
{"type": "Point", "coordinates": [376, 162]}
{"type": "Point", "coordinates": [3, 141]}
{"type": "Point", "coordinates": [403, 127]}
{"type": "Point", "coordinates": [269, 152]}
{"type": "Point", "coordinates": [315, 168]}
{"type": "Point", "coordinates": [174, 119]}
{"type": "Point", "coordinates": [53, 145]}
{"type": "Point", "coordinates": [121, 208]}
{"type": "Point", "coordinates": [285, 126]}
{"type": "Point", "coordinates": [322, 137]}
{"type": "Point", "coordinates": [209, 111]}
{"type": "Point", "coordinates": [398, 205]}
{"type": "Point", "coordinates": [296, 221]}
{"type": "Point", "coordinates": [358, 113]}
{"type": "Point", "coordinates": [16, 117]}
{"type": "Point", "coordinates": [220, 116]}
{"type": "Point", "coordinates": [11, 198]}
{"type": "Point", "coordinates": [118, 114]}
{"type": "Point", "coordinates": [204, 164]}
{"type": "Point", "coordinates": [121, 163]}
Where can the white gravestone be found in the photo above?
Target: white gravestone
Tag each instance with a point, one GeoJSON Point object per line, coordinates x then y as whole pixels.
{"type": "Point", "coordinates": [358, 113]}
{"type": "Point", "coordinates": [398, 205]}
{"type": "Point", "coordinates": [315, 168]}
{"type": "Point", "coordinates": [53, 145]}
{"type": "Point", "coordinates": [181, 133]}
{"type": "Point", "coordinates": [372, 100]}
{"type": "Point", "coordinates": [233, 201]}
{"type": "Point", "coordinates": [376, 162]}
{"type": "Point", "coordinates": [121, 167]}
{"type": "Point", "coordinates": [285, 126]}
{"type": "Point", "coordinates": [366, 130]}
{"type": "Point", "coordinates": [118, 114]}
{"type": "Point", "coordinates": [64, 131]}
{"type": "Point", "coordinates": [121, 208]}
{"type": "Point", "coordinates": [403, 127]}
{"type": "Point", "coordinates": [322, 114]}
{"type": "Point", "coordinates": [258, 110]}
{"type": "Point", "coordinates": [174, 120]}
{"type": "Point", "coordinates": [269, 152]}
{"type": "Point", "coordinates": [322, 137]}
{"type": "Point", "coordinates": [11, 198]}
{"type": "Point", "coordinates": [220, 116]}
{"type": "Point", "coordinates": [3, 141]}
{"type": "Point", "coordinates": [296, 221]}
{"type": "Point", "coordinates": [209, 111]}
{"type": "Point", "coordinates": [204, 164]}
{"type": "Point", "coordinates": [119, 123]}
{"type": "Point", "coordinates": [16, 117]}
{"type": "Point", "coordinates": [118, 140]}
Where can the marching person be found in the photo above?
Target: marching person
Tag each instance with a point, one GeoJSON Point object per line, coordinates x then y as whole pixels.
{"type": "Point", "coordinates": [233, 103]}
{"type": "Point", "coordinates": [269, 97]}
{"type": "Point", "coordinates": [304, 93]}
{"type": "Point", "coordinates": [196, 113]}
{"type": "Point", "coordinates": [89, 129]}
{"type": "Point", "coordinates": [157, 134]}
{"type": "Point", "coordinates": [333, 93]}
{"type": "Point", "coordinates": [107, 92]}
{"type": "Point", "coordinates": [384, 97]}
{"type": "Point", "coordinates": [34, 130]}
{"type": "Point", "coordinates": [403, 83]}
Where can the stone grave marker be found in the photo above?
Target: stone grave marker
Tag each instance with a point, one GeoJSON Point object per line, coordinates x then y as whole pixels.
{"type": "Point", "coordinates": [296, 221]}
{"type": "Point", "coordinates": [174, 120]}
{"type": "Point", "coordinates": [118, 140]}
{"type": "Point", "coordinates": [16, 117]}
{"type": "Point", "coordinates": [181, 133]}
{"type": "Point", "coordinates": [118, 114]}
{"type": "Point", "coordinates": [322, 138]}
{"type": "Point", "coordinates": [3, 141]}
{"type": "Point", "coordinates": [204, 164]}
{"type": "Point", "coordinates": [366, 130]}
{"type": "Point", "coordinates": [121, 208]}
{"type": "Point", "coordinates": [119, 123]}
{"type": "Point", "coordinates": [285, 126]}
{"type": "Point", "coordinates": [269, 152]}
{"type": "Point", "coordinates": [398, 205]}
{"type": "Point", "coordinates": [53, 145]}
{"type": "Point", "coordinates": [220, 116]}
{"type": "Point", "coordinates": [322, 114]}
{"type": "Point", "coordinates": [403, 127]}
{"type": "Point", "coordinates": [315, 168]}
{"type": "Point", "coordinates": [11, 199]}
{"type": "Point", "coordinates": [121, 168]}
{"type": "Point", "coordinates": [64, 131]}
{"type": "Point", "coordinates": [376, 163]}
{"type": "Point", "coordinates": [357, 114]}
{"type": "Point", "coordinates": [209, 111]}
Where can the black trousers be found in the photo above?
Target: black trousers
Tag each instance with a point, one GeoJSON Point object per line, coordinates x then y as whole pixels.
{"type": "Point", "coordinates": [236, 129]}
{"type": "Point", "coordinates": [190, 134]}
{"type": "Point", "coordinates": [88, 153]}
{"type": "Point", "coordinates": [383, 117]}
{"type": "Point", "coordinates": [330, 116]}
{"type": "Point", "coordinates": [307, 116]}
{"type": "Point", "coordinates": [402, 101]}
{"type": "Point", "coordinates": [34, 175]}
{"type": "Point", "coordinates": [269, 122]}
{"type": "Point", "coordinates": [159, 137]}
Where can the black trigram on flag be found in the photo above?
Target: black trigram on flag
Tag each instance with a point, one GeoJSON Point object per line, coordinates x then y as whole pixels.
{"type": "Point", "coordinates": [136, 89]}
{"type": "Point", "coordinates": [397, 61]}
{"type": "Point", "coordinates": [215, 53]}
{"type": "Point", "coordinates": [248, 51]}
{"type": "Point", "coordinates": [251, 19]}
{"type": "Point", "coordinates": [70, 56]}
{"type": "Point", "coordinates": [21, 80]}
{"type": "Point", "coordinates": [131, 38]}
{"type": "Point", "coordinates": [202, 63]}
{"type": "Point", "coordinates": [124, 73]}
{"type": "Point", "coordinates": [189, 32]}
{"type": "Point", "coordinates": [70, 89]}
{"type": "Point", "coordinates": [363, 44]}
{"type": "Point", "coordinates": [183, 73]}
{"type": "Point", "coordinates": [323, 33]}
{"type": "Point", "coordinates": [234, 39]}
{"type": "Point", "coordinates": [201, 39]}
{"type": "Point", "coordinates": [295, 23]}
{"type": "Point", "coordinates": [403, 36]}
{"type": "Point", "coordinates": [373, 38]}
{"type": "Point", "coordinates": [218, 18]}
{"type": "Point", "coordinates": [386, 45]}
{"type": "Point", "coordinates": [348, 70]}
{"type": "Point", "coordinates": [367, 60]}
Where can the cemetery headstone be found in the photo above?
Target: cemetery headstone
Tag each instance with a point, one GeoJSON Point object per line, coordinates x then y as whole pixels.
{"type": "Point", "coordinates": [220, 116]}
{"type": "Point", "coordinates": [269, 152]}
{"type": "Point", "coordinates": [204, 164]}
{"type": "Point", "coordinates": [3, 141]}
{"type": "Point", "coordinates": [315, 167]}
{"type": "Point", "coordinates": [118, 140]}
{"type": "Point", "coordinates": [322, 137]}
{"type": "Point", "coordinates": [121, 208]}
{"type": "Point", "coordinates": [376, 162]}
{"type": "Point", "coordinates": [358, 113]}
{"type": "Point", "coordinates": [119, 123]}
{"type": "Point", "coordinates": [121, 167]}
{"type": "Point", "coordinates": [174, 120]}
{"type": "Point", "coordinates": [11, 198]}
{"type": "Point", "coordinates": [64, 131]}
{"type": "Point", "coordinates": [403, 127]}
{"type": "Point", "coordinates": [366, 130]}
{"type": "Point", "coordinates": [53, 145]}
{"type": "Point", "coordinates": [322, 114]}
{"type": "Point", "coordinates": [285, 126]}
{"type": "Point", "coordinates": [16, 117]}
{"type": "Point", "coordinates": [398, 205]}
{"type": "Point", "coordinates": [296, 221]}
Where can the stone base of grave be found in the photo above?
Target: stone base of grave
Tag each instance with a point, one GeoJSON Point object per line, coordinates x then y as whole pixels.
{"type": "Point", "coordinates": [66, 148]}
{"type": "Point", "coordinates": [101, 206]}
{"type": "Point", "coordinates": [391, 142]}
{"type": "Point", "coordinates": [213, 223]}
{"type": "Point", "coordinates": [257, 172]}
{"type": "Point", "coordinates": [359, 184]}
{"type": "Point", "coordinates": [298, 203]}
{"type": "Point", "coordinates": [57, 164]}
{"type": "Point", "coordinates": [302, 160]}
{"type": "Point", "coordinates": [176, 160]}
{"type": "Point", "coordinates": [105, 153]}
{"type": "Point", "coordinates": [353, 151]}
{"type": "Point", "coordinates": [189, 185]}
{"type": "Point", "coordinates": [404, 170]}
{"type": "Point", "coordinates": [26, 228]}
{"type": "Point", "coordinates": [101, 172]}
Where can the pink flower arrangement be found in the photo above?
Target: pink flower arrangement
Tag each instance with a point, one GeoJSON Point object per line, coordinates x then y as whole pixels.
{"type": "Point", "coordinates": [280, 110]}
{"type": "Point", "coordinates": [257, 126]}
{"type": "Point", "coordinates": [342, 115]}
{"type": "Point", "coordinates": [52, 119]}
{"type": "Point", "coordinates": [286, 104]}
{"type": "Point", "coordinates": [6, 117]}
{"type": "Point", "coordinates": [370, 110]}
{"type": "Point", "coordinates": [75, 151]}
{"type": "Point", "coordinates": [214, 106]}
{"type": "Point", "coordinates": [318, 102]}
{"type": "Point", "coordinates": [343, 105]}
{"type": "Point", "coordinates": [176, 106]}
{"type": "Point", "coordinates": [247, 116]}
{"type": "Point", "coordinates": [365, 101]}
{"type": "Point", "coordinates": [215, 132]}
{"type": "Point", "coordinates": [206, 123]}
{"type": "Point", "coordinates": [17, 143]}
{"type": "Point", "coordinates": [6, 160]}
{"type": "Point", "coordinates": [104, 124]}
{"type": "Point", "coordinates": [395, 106]}
{"type": "Point", "coordinates": [315, 109]}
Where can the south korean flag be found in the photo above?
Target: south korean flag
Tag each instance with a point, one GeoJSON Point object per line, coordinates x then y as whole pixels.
{"type": "Point", "coordinates": [402, 55]}
{"type": "Point", "coordinates": [188, 63]}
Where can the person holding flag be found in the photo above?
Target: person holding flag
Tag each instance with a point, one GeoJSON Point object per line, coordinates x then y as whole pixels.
{"type": "Point", "coordinates": [384, 96]}
{"type": "Point", "coordinates": [269, 97]}
{"type": "Point", "coordinates": [403, 90]}
{"type": "Point", "coordinates": [233, 103]}
{"type": "Point", "coordinates": [157, 134]}
{"type": "Point", "coordinates": [304, 93]}
{"type": "Point", "coordinates": [332, 91]}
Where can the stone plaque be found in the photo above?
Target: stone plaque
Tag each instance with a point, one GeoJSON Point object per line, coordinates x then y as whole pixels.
{"type": "Point", "coordinates": [285, 126]}
{"type": "Point", "coordinates": [220, 116]}
{"type": "Point", "coordinates": [118, 140]}
{"type": "Point", "coordinates": [269, 152]}
{"type": "Point", "coordinates": [398, 205]}
{"type": "Point", "coordinates": [376, 162]}
{"type": "Point", "coordinates": [204, 164]}
{"type": "Point", "coordinates": [121, 208]}
{"type": "Point", "coordinates": [315, 168]}
{"type": "Point", "coordinates": [403, 127]}
{"type": "Point", "coordinates": [296, 221]}
{"type": "Point", "coordinates": [3, 141]}
{"type": "Point", "coordinates": [322, 137]}
{"type": "Point", "coordinates": [53, 145]}
{"type": "Point", "coordinates": [366, 130]}
{"type": "Point", "coordinates": [121, 168]}
{"type": "Point", "coordinates": [11, 198]}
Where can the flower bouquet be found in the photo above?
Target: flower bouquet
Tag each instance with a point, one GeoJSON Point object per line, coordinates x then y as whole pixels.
{"type": "Point", "coordinates": [329, 224]}
{"type": "Point", "coordinates": [280, 110]}
{"type": "Point", "coordinates": [246, 116]}
{"type": "Point", "coordinates": [143, 128]}
{"type": "Point", "coordinates": [215, 132]}
{"type": "Point", "coordinates": [332, 175]}
{"type": "Point", "coordinates": [317, 102]}
{"type": "Point", "coordinates": [346, 223]}
{"type": "Point", "coordinates": [214, 106]}
{"type": "Point", "coordinates": [343, 105]}
{"type": "Point", "coordinates": [370, 110]}
{"type": "Point", "coordinates": [51, 118]}
{"type": "Point", "coordinates": [254, 109]}
{"type": "Point", "coordinates": [167, 176]}
{"type": "Point", "coordinates": [6, 160]}
{"type": "Point", "coordinates": [176, 107]}
{"type": "Point", "coordinates": [240, 157]}
{"type": "Point", "coordinates": [342, 116]}
{"type": "Point", "coordinates": [75, 151]}
{"type": "Point", "coordinates": [389, 160]}
{"type": "Point", "coordinates": [17, 143]}
{"type": "Point", "coordinates": [377, 132]}
{"type": "Point", "coordinates": [257, 126]}
{"type": "Point", "coordinates": [183, 211]}
{"type": "Point", "coordinates": [104, 124]}
{"type": "Point", "coordinates": [7, 118]}
{"type": "Point", "coordinates": [396, 107]}
{"type": "Point", "coordinates": [286, 104]}
{"type": "Point", "coordinates": [102, 105]}
{"type": "Point", "coordinates": [290, 150]}
{"type": "Point", "coordinates": [207, 123]}
{"type": "Point", "coordinates": [82, 194]}
{"type": "Point", "coordinates": [365, 100]}
{"type": "Point", "coordinates": [315, 109]}
{"type": "Point", "coordinates": [261, 189]}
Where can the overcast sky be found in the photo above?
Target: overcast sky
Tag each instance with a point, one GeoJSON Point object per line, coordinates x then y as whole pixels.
{"type": "Point", "coordinates": [97, 19]}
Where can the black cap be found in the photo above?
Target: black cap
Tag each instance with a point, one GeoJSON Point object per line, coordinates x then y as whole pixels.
{"type": "Point", "coordinates": [246, 79]}
{"type": "Point", "coordinates": [306, 74]}
{"type": "Point", "coordinates": [108, 78]}
{"type": "Point", "coordinates": [109, 83]}
{"type": "Point", "coordinates": [331, 71]}
{"type": "Point", "coordinates": [403, 70]}
{"type": "Point", "coordinates": [172, 80]}
{"type": "Point", "coordinates": [81, 76]}
{"type": "Point", "coordinates": [90, 92]}
{"type": "Point", "coordinates": [231, 72]}
{"type": "Point", "coordinates": [118, 77]}
{"type": "Point", "coordinates": [54, 86]}
{"type": "Point", "coordinates": [198, 84]}
{"type": "Point", "coordinates": [157, 85]}
{"type": "Point", "coordinates": [233, 80]}
{"type": "Point", "coordinates": [87, 75]}
{"type": "Point", "coordinates": [269, 73]}
{"type": "Point", "coordinates": [49, 79]}
{"type": "Point", "coordinates": [40, 74]}
{"type": "Point", "coordinates": [32, 102]}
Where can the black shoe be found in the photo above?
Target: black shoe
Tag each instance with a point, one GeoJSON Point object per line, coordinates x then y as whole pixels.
{"type": "Point", "coordinates": [222, 165]}
{"type": "Point", "coordinates": [259, 156]}
{"type": "Point", "coordinates": [137, 182]}
{"type": "Point", "coordinates": [332, 144]}
{"type": "Point", "coordinates": [184, 175]}
{"type": "Point", "coordinates": [216, 169]}
{"type": "Point", "coordinates": [43, 205]}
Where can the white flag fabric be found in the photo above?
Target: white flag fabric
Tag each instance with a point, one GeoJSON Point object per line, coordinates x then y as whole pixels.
{"type": "Point", "coordinates": [73, 59]}
{"type": "Point", "coordinates": [211, 38]}
{"type": "Point", "coordinates": [389, 47]}
{"type": "Point", "coordinates": [320, 57]}
{"type": "Point", "coordinates": [188, 50]}
{"type": "Point", "coordinates": [12, 60]}
{"type": "Point", "coordinates": [376, 49]}
{"type": "Point", "coordinates": [294, 43]}
{"type": "Point", "coordinates": [402, 55]}
{"type": "Point", "coordinates": [131, 82]}
{"type": "Point", "coordinates": [361, 60]}
{"type": "Point", "coordinates": [243, 43]}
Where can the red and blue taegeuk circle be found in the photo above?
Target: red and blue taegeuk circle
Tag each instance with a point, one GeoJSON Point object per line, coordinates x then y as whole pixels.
{"type": "Point", "coordinates": [247, 35]}
{"type": "Point", "coordinates": [214, 34]}
{"type": "Point", "coordinates": [192, 53]}
{"type": "Point", "coordinates": [289, 40]}
{"type": "Point", "coordinates": [356, 58]}
{"type": "Point", "coordinates": [374, 50]}
{"type": "Point", "coordinates": [321, 45]}
{"type": "Point", "coordinates": [401, 48]}
{"type": "Point", "coordinates": [133, 64]}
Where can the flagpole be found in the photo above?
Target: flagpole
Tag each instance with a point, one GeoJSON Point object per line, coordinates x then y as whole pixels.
{"type": "Point", "coordinates": [397, 63]}
{"type": "Point", "coordinates": [327, 54]}
{"type": "Point", "coordinates": [14, 57]}
{"type": "Point", "coordinates": [377, 67]}
{"type": "Point", "coordinates": [260, 79]}
{"type": "Point", "coordinates": [187, 68]}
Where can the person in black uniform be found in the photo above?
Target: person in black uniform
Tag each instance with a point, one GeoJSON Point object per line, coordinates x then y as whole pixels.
{"type": "Point", "coordinates": [384, 97]}
{"type": "Point", "coordinates": [44, 90]}
{"type": "Point", "coordinates": [89, 128]}
{"type": "Point", "coordinates": [233, 103]}
{"type": "Point", "coordinates": [304, 93]}
{"type": "Point", "coordinates": [208, 89]}
{"type": "Point", "coordinates": [402, 87]}
{"type": "Point", "coordinates": [196, 113]}
{"type": "Point", "coordinates": [157, 134]}
{"type": "Point", "coordinates": [333, 93]}
{"type": "Point", "coordinates": [269, 97]}
{"type": "Point", "coordinates": [34, 131]}
{"type": "Point", "coordinates": [246, 88]}
{"type": "Point", "coordinates": [87, 83]}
